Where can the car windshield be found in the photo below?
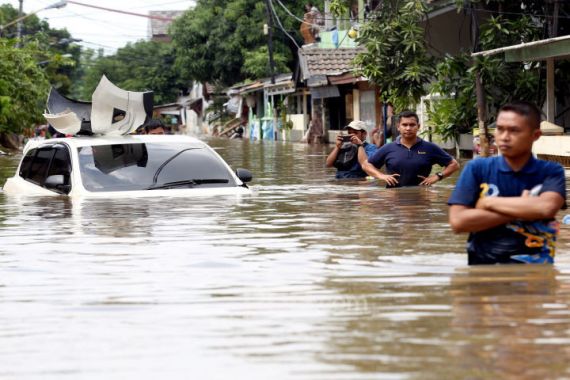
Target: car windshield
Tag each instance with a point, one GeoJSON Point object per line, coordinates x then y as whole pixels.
{"type": "Point", "coordinates": [127, 167]}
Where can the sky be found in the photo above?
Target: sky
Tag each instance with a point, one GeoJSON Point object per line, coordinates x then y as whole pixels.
{"type": "Point", "coordinates": [98, 28]}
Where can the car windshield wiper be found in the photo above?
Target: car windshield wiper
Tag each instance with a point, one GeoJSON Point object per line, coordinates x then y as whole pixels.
{"type": "Point", "coordinates": [186, 183]}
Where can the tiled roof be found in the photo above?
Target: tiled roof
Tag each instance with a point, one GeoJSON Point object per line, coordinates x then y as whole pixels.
{"type": "Point", "coordinates": [318, 61]}
{"type": "Point", "coordinates": [160, 27]}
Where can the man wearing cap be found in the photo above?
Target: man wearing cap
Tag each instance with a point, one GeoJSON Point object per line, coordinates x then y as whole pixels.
{"type": "Point", "coordinates": [355, 146]}
{"type": "Point", "coordinates": [409, 159]}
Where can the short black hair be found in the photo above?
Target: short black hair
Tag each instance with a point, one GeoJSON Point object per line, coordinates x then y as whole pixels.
{"type": "Point", "coordinates": [153, 124]}
{"type": "Point", "coordinates": [408, 113]}
{"type": "Point", "coordinates": [526, 109]}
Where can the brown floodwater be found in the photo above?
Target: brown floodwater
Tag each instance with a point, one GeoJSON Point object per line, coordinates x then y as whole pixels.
{"type": "Point", "coordinates": [307, 278]}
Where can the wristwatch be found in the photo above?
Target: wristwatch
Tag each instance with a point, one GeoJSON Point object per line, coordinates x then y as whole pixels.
{"type": "Point", "coordinates": [439, 175]}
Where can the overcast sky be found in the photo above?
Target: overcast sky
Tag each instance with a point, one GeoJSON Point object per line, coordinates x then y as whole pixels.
{"type": "Point", "coordinates": [98, 28]}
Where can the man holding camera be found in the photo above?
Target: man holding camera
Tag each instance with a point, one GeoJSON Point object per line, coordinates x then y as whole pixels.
{"type": "Point", "coordinates": [409, 159]}
{"type": "Point", "coordinates": [350, 151]}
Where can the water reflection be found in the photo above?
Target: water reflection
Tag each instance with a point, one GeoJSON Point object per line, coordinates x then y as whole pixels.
{"type": "Point", "coordinates": [513, 321]}
{"type": "Point", "coordinates": [309, 278]}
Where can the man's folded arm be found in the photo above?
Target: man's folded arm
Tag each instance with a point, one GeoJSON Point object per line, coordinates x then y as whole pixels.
{"type": "Point", "coordinates": [524, 207]}
{"type": "Point", "coordinates": [467, 219]}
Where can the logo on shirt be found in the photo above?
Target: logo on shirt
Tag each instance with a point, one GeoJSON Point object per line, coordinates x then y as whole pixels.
{"type": "Point", "coordinates": [421, 152]}
{"type": "Point", "coordinates": [489, 190]}
{"type": "Point", "coordinates": [539, 235]}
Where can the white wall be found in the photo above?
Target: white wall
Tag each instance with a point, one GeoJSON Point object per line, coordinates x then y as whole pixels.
{"type": "Point", "coordinates": [552, 145]}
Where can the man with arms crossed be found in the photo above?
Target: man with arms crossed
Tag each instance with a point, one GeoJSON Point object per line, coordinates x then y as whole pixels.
{"type": "Point", "coordinates": [507, 203]}
{"type": "Point", "coordinates": [409, 159]}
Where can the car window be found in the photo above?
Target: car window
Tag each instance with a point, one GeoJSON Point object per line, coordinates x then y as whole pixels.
{"type": "Point", "coordinates": [40, 163]}
{"type": "Point", "coordinates": [39, 166]}
{"type": "Point", "coordinates": [61, 164]}
{"type": "Point", "coordinates": [122, 167]}
{"type": "Point", "coordinates": [27, 162]}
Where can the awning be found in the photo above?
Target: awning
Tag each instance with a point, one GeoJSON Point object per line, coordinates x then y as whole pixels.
{"type": "Point", "coordinates": [544, 50]}
{"type": "Point", "coordinates": [347, 78]}
{"type": "Point", "coordinates": [557, 47]}
{"type": "Point", "coordinates": [255, 86]}
{"type": "Point", "coordinates": [325, 92]}
{"type": "Point", "coordinates": [287, 87]}
{"type": "Point", "coordinates": [317, 80]}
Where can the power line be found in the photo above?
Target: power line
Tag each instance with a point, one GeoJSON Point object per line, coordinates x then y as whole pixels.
{"type": "Point", "coordinates": [280, 25]}
{"type": "Point", "coordinates": [161, 18]}
{"type": "Point", "coordinates": [163, 4]}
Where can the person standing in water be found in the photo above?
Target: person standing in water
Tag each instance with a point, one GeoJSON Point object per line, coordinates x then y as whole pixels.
{"type": "Point", "coordinates": [507, 203]}
{"type": "Point", "coordinates": [409, 159]}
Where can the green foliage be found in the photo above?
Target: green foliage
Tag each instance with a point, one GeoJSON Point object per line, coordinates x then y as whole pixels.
{"type": "Point", "coordinates": [443, 115]}
{"type": "Point", "coordinates": [396, 57]}
{"type": "Point", "coordinates": [457, 112]}
{"type": "Point", "coordinates": [502, 81]}
{"type": "Point", "coordinates": [222, 40]}
{"type": "Point", "coordinates": [282, 111]}
{"type": "Point", "coordinates": [56, 52]}
{"type": "Point", "coordinates": [142, 66]}
{"type": "Point", "coordinates": [256, 63]}
{"type": "Point", "coordinates": [508, 81]}
{"type": "Point", "coordinates": [23, 87]}
{"type": "Point", "coordinates": [338, 7]}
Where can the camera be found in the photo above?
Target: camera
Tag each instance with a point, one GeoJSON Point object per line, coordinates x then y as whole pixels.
{"type": "Point", "coordinates": [346, 138]}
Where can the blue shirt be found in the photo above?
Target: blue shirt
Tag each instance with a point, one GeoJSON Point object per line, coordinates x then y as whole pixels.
{"type": "Point", "coordinates": [356, 171]}
{"type": "Point", "coordinates": [518, 241]}
{"type": "Point", "coordinates": [410, 163]}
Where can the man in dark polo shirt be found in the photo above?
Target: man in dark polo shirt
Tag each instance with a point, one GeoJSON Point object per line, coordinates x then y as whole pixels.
{"type": "Point", "coordinates": [409, 159]}
{"type": "Point", "coordinates": [507, 203]}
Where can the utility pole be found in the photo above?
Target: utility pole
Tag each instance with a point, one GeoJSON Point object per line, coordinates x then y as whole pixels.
{"type": "Point", "coordinates": [270, 41]}
{"type": "Point", "coordinates": [19, 26]}
{"type": "Point", "coordinates": [22, 16]}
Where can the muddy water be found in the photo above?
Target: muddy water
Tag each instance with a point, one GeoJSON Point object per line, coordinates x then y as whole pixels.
{"type": "Point", "coordinates": [307, 278]}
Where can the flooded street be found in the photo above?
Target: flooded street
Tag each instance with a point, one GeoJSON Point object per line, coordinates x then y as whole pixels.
{"type": "Point", "coordinates": [307, 278]}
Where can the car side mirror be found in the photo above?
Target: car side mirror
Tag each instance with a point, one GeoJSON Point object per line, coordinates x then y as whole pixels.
{"type": "Point", "coordinates": [57, 183]}
{"type": "Point", "coordinates": [244, 175]}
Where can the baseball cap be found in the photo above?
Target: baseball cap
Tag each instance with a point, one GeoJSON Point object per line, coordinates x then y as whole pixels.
{"type": "Point", "coordinates": [357, 125]}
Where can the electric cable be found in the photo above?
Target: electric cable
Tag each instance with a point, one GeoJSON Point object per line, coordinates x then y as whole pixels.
{"type": "Point", "coordinates": [280, 25]}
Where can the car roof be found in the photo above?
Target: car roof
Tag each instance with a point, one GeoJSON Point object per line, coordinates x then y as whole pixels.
{"type": "Point", "coordinates": [81, 141]}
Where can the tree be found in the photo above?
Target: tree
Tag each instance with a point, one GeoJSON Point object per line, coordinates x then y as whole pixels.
{"type": "Point", "coordinates": [23, 87]}
{"type": "Point", "coordinates": [142, 66]}
{"type": "Point", "coordinates": [222, 40]}
{"type": "Point", "coordinates": [56, 53]}
{"type": "Point", "coordinates": [398, 61]}
{"type": "Point", "coordinates": [396, 57]}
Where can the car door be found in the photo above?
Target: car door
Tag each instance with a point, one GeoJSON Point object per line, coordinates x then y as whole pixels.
{"type": "Point", "coordinates": [41, 163]}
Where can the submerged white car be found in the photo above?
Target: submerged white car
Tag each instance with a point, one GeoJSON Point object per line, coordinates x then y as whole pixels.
{"type": "Point", "coordinates": [124, 166]}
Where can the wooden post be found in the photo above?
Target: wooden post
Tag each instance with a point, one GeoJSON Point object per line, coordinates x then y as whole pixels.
{"type": "Point", "coordinates": [550, 97]}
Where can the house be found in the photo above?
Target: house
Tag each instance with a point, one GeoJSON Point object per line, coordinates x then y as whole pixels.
{"type": "Point", "coordinates": [336, 91]}
{"type": "Point", "coordinates": [158, 24]}
{"type": "Point", "coordinates": [189, 110]}
{"type": "Point", "coordinates": [447, 32]}
{"type": "Point", "coordinates": [265, 105]}
{"type": "Point", "coordinates": [554, 144]}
